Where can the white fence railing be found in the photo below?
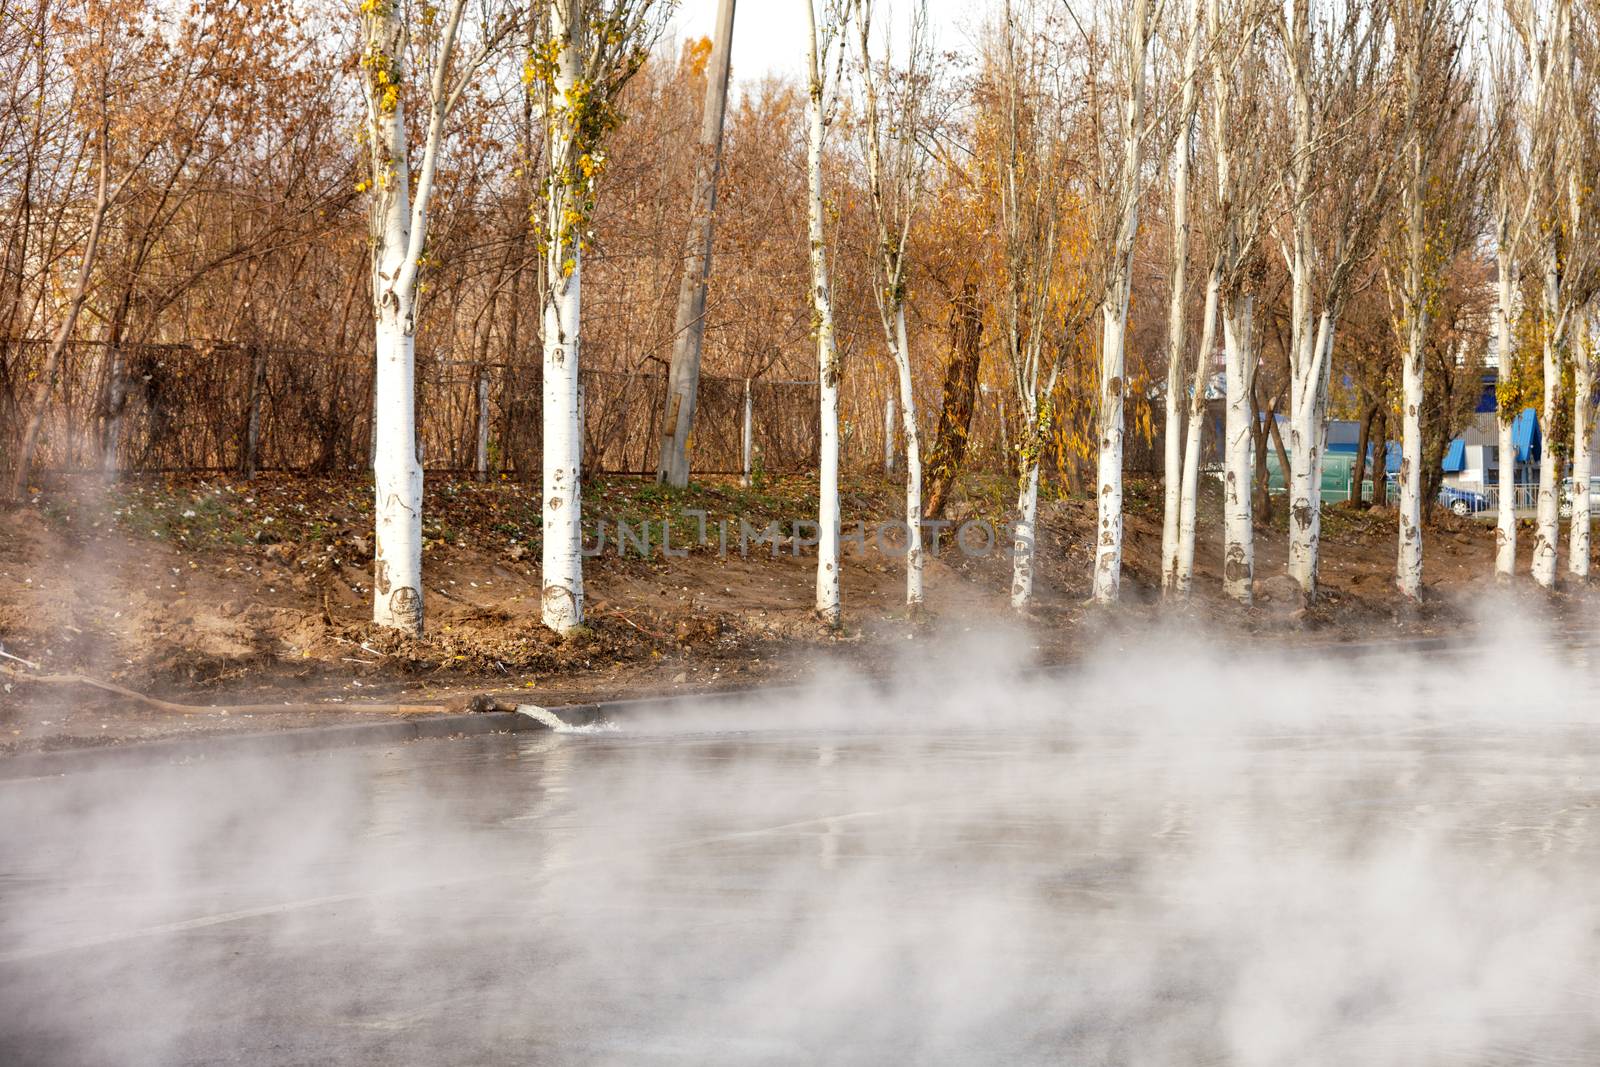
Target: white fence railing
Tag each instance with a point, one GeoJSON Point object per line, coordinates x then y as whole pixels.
{"type": "Point", "coordinates": [1470, 501]}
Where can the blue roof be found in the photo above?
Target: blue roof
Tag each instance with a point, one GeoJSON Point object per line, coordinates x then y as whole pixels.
{"type": "Point", "coordinates": [1525, 435]}
{"type": "Point", "coordinates": [1455, 457]}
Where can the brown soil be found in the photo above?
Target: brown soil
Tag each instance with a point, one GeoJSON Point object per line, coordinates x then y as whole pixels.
{"type": "Point", "coordinates": [223, 592]}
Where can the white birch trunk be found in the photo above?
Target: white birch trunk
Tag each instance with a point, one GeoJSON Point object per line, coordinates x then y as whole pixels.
{"type": "Point", "coordinates": [1582, 465]}
{"type": "Point", "coordinates": [1409, 561]}
{"type": "Point", "coordinates": [1308, 406]}
{"type": "Point", "coordinates": [1108, 495]}
{"type": "Point", "coordinates": [1239, 551]}
{"type": "Point", "coordinates": [1023, 537]}
{"type": "Point", "coordinates": [1188, 504]}
{"type": "Point", "coordinates": [1547, 531]}
{"type": "Point", "coordinates": [1505, 534]}
{"type": "Point", "coordinates": [1414, 303]}
{"type": "Point", "coordinates": [908, 409]}
{"type": "Point", "coordinates": [562, 498]}
{"type": "Point", "coordinates": [396, 474]}
{"type": "Point", "coordinates": [1174, 451]}
{"type": "Point", "coordinates": [1505, 531]}
{"type": "Point", "coordinates": [399, 230]}
{"type": "Point", "coordinates": [828, 601]}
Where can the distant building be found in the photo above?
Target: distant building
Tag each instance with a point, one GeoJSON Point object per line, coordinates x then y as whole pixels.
{"type": "Point", "coordinates": [1472, 461]}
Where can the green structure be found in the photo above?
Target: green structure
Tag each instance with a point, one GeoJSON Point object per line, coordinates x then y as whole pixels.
{"type": "Point", "coordinates": [1338, 473]}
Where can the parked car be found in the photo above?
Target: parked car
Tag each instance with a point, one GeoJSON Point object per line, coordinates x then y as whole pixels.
{"type": "Point", "coordinates": [1566, 495]}
{"type": "Point", "coordinates": [1463, 501]}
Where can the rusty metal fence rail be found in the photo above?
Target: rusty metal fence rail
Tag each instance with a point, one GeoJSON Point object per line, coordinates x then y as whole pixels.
{"type": "Point", "coordinates": [189, 407]}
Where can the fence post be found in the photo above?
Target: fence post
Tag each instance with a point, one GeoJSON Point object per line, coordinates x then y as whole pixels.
{"type": "Point", "coordinates": [252, 430]}
{"type": "Point", "coordinates": [748, 438]}
{"type": "Point", "coordinates": [483, 423]}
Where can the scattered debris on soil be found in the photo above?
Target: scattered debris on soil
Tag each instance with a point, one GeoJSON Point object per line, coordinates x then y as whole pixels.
{"type": "Point", "coordinates": [215, 591]}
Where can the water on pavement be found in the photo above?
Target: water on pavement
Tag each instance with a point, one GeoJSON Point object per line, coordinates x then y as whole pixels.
{"type": "Point", "coordinates": [1159, 860]}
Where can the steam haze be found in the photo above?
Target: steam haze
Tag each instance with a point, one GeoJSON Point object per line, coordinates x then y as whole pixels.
{"type": "Point", "coordinates": [1175, 854]}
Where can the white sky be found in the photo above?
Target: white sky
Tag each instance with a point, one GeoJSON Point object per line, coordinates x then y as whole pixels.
{"type": "Point", "coordinates": [769, 36]}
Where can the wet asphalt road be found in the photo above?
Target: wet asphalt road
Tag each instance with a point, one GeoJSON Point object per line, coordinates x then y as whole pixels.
{"type": "Point", "coordinates": [1385, 891]}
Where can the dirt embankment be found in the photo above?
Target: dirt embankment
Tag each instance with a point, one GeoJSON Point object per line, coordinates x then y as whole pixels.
{"type": "Point", "coordinates": [216, 591]}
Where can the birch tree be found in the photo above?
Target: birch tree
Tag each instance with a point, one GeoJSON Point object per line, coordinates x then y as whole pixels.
{"type": "Point", "coordinates": [398, 238]}
{"type": "Point", "coordinates": [683, 377]}
{"type": "Point", "coordinates": [1583, 346]}
{"type": "Point", "coordinates": [1519, 148]}
{"type": "Point", "coordinates": [1336, 175]}
{"type": "Point", "coordinates": [1137, 27]}
{"type": "Point", "coordinates": [1560, 232]}
{"type": "Point", "coordinates": [1509, 384]}
{"type": "Point", "coordinates": [1023, 152]}
{"type": "Point", "coordinates": [1429, 37]}
{"type": "Point", "coordinates": [1174, 446]}
{"type": "Point", "coordinates": [897, 169]}
{"type": "Point", "coordinates": [1240, 199]}
{"type": "Point", "coordinates": [584, 53]}
{"type": "Point", "coordinates": [1543, 32]}
{"type": "Point", "coordinates": [1580, 258]}
{"type": "Point", "coordinates": [820, 42]}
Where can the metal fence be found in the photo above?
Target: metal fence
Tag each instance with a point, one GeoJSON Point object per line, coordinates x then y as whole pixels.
{"type": "Point", "coordinates": [1468, 501]}
{"type": "Point", "coordinates": [189, 407]}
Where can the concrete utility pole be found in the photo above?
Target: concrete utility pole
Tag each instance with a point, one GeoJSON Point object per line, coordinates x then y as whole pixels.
{"type": "Point", "coordinates": [683, 381]}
